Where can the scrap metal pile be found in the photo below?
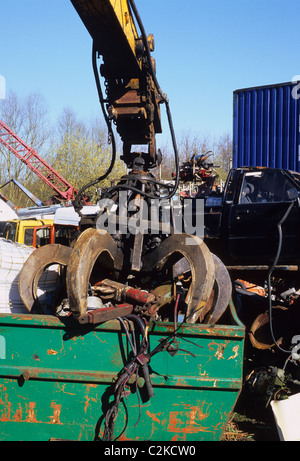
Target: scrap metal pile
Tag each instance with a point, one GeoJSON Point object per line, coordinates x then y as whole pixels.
{"type": "Point", "coordinates": [271, 317]}
{"type": "Point", "coordinates": [97, 282]}
{"type": "Point", "coordinates": [199, 174]}
{"type": "Point", "coordinates": [175, 282]}
{"type": "Point", "coordinates": [129, 263]}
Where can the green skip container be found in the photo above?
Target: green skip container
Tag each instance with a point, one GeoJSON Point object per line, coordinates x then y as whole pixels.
{"type": "Point", "coordinates": [56, 380]}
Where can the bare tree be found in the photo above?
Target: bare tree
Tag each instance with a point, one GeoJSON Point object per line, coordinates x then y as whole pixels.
{"type": "Point", "coordinates": [188, 146]}
{"type": "Point", "coordinates": [223, 154]}
{"type": "Point", "coordinates": [28, 118]}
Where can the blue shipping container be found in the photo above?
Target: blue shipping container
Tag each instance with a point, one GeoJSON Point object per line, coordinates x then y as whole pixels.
{"type": "Point", "coordinates": [266, 126]}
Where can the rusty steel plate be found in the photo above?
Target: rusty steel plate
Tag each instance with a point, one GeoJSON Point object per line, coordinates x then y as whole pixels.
{"type": "Point", "coordinates": [34, 267]}
{"type": "Point", "coordinates": [201, 265]}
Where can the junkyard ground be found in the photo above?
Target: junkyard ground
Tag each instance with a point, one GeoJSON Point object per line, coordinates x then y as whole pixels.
{"type": "Point", "coordinates": [251, 421]}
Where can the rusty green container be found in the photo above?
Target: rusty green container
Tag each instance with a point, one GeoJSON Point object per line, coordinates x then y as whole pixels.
{"type": "Point", "coordinates": [56, 381]}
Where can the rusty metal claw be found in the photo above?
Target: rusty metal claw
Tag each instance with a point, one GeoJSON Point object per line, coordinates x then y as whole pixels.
{"type": "Point", "coordinates": [89, 247]}
{"type": "Point", "coordinates": [35, 265]}
{"type": "Point", "coordinates": [201, 265]}
{"type": "Point", "coordinates": [221, 292]}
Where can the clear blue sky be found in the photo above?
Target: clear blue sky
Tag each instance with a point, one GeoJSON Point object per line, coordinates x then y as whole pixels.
{"type": "Point", "coordinates": [204, 51]}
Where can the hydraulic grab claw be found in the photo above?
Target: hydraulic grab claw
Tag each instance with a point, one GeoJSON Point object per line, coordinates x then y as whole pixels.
{"type": "Point", "coordinates": [200, 264]}
{"type": "Point", "coordinates": [94, 243]}
{"type": "Point", "coordinates": [98, 266]}
{"type": "Point", "coordinates": [91, 246]}
{"type": "Point", "coordinates": [95, 262]}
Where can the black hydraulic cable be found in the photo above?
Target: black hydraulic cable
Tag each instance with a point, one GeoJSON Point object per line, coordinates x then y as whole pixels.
{"type": "Point", "coordinates": [125, 374]}
{"type": "Point", "coordinates": [144, 366]}
{"type": "Point", "coordinates": [110, 132]}
{"type": "Point", "coordinates": [271, 269]}
{"type": "Point", "coordinates": [137, 319]}
{"type": "Point", "coordinates": [108, 122]}
{"type": "Point", "coordinates": [128, 335]}
{"type": "Point", "coordinates": [149, 179]}
{"type": "Point", "coordinates": [138, 191]}
{"type": "Point", "coordinates": [119, 388]}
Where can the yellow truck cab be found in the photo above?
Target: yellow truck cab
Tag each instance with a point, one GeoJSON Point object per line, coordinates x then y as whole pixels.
{"type": "Point", "coordinates": [30, 232]}
{"type": "Point", "coordinates": [59, 225]}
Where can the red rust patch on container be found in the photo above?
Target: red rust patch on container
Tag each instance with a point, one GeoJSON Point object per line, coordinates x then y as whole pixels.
{"type": "Point", "coordinates": [18, 415]}
{"type": "Point", "coordinates": [6, 415]}
{"type": "Point", "coordinates": [31, 416]}
{"type": "Point", "coordinates": [153, 416]}
{"type": "Point", "coordinates": [52, 352]}
{"type": "Point", "coordinates": [220, 349]}
{"type": "Point", "coordinates": [87, 402]}
{"type": "Point", "coordinates": [187, 423]}
{"type": "Point", "coordinates": [55, 419]}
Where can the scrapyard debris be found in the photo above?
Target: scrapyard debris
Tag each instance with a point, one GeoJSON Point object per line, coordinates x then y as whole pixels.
{"type": "Point", "coordinates": [199, 174]}
{"type": "Point", "coordinates": [271, 316]}
{"type": "Point", "coordinates": [177, 283]}
{"type": "Point", "coordinates": [12, 259]}
{"type": "Point", "coordinates": [35, 267]}
{"type": "Point", "coordinates": [176, 279]}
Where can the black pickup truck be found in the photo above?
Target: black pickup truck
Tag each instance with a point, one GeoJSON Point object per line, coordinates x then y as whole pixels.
{"type": "Point", "coordinates": [242, 229]}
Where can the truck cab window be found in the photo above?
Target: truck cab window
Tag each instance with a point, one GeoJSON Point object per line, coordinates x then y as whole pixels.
{"type": "Point", "coordinates": [42, 236]}
{"type": "Point", "coordinates": [247, 192]}
{"type": "Point", "coordinates": [266, 186]}
{"type": "Point", "coordinates": [230, 187]}
{"type": "Point", "coordinates": [28, 237]}
{"type": "Point", "coordinates": [2, 228]}
{"type": "Point", "coordinates": [10, 231]}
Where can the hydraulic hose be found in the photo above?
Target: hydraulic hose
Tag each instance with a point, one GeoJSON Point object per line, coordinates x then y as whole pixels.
{"type": "Point", "coordinates": [162, 95]}
{"type": "Point", "coordinates": [271, 269]}
{"type": "Point", "coordinates": [110, 132]}
{"type": "Point", "coordinates": [145, 368]}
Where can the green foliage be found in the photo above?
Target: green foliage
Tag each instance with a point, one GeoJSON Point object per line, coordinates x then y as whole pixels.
{"type": "Point", "coordinates": [81, 159]}
{"type": "Point", "coordinates": [80, 153]}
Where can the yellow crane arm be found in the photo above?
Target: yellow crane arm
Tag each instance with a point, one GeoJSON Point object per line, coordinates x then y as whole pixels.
{"type": "Point", "coordinates": [112, 28]}
{"type": "Point", "coordinates": [132, 96]}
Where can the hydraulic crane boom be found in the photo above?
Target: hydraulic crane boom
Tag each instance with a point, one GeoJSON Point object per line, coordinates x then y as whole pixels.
{"type": "Point", "coordinates": [132, 96]}
{"type": "Point", "coordinates": [37, 164]}
{"type": "Point", "coordinates": [147, 250]}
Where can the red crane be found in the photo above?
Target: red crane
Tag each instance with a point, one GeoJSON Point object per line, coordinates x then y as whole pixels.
{"type": "Point", "coordinates": [39, 166]}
